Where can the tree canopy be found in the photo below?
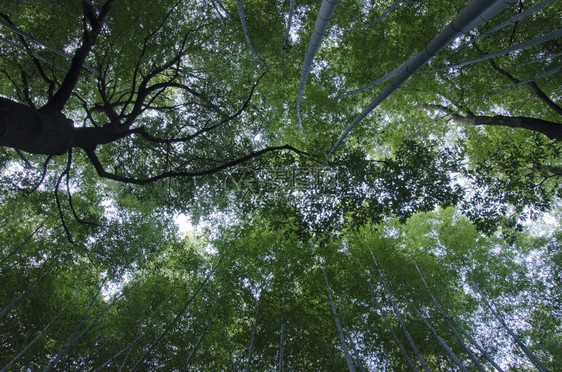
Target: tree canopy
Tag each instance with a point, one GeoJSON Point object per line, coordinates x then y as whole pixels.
{"type": "Point", "coordinates": [367, 185]}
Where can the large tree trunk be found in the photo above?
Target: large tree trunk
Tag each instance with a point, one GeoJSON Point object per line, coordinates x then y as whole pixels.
{"type": "Point", "coordinates": [26, 129]}
{"type": "Point", "coordinates": [47, 133]}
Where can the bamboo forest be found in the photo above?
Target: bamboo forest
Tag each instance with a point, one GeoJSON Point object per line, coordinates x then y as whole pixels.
{"type": "Point", "coordinates": [281, 185]}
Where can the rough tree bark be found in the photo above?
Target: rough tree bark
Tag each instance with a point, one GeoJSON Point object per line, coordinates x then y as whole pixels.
{"type": "Point", "coordinates": [48, 131]}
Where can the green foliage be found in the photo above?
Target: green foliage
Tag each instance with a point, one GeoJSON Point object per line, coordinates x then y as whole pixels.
{"type": "Point", "coordinates": [412, 188]}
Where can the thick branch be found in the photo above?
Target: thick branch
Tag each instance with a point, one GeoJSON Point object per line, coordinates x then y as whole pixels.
{"type": "Point", "coordinates": [143, 181]}
{"type": "Point", "coordinates": [107, 107]}
{"type": "Point", "coordinates": [59, 99]}
{"type": "Point", "coordinates": [45, 165]}
{"type": "Point", "coordinates": [552, 169]}
{"type": "Point", "coordinates": [87, 138]}
{"type": "Point", "coordinates": [550, 129]}
{"type": "Point", "coordinates": [69, 194]}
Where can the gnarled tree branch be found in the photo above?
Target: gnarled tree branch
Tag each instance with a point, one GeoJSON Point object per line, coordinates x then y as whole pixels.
{"type": "Point", "coordinates": [142, 131]}
{"type": "Point", "coordinates": [174, 174]}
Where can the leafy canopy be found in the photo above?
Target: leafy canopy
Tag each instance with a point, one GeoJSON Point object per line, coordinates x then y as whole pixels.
{"type": "Point", "coordinates": [117, 116]}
